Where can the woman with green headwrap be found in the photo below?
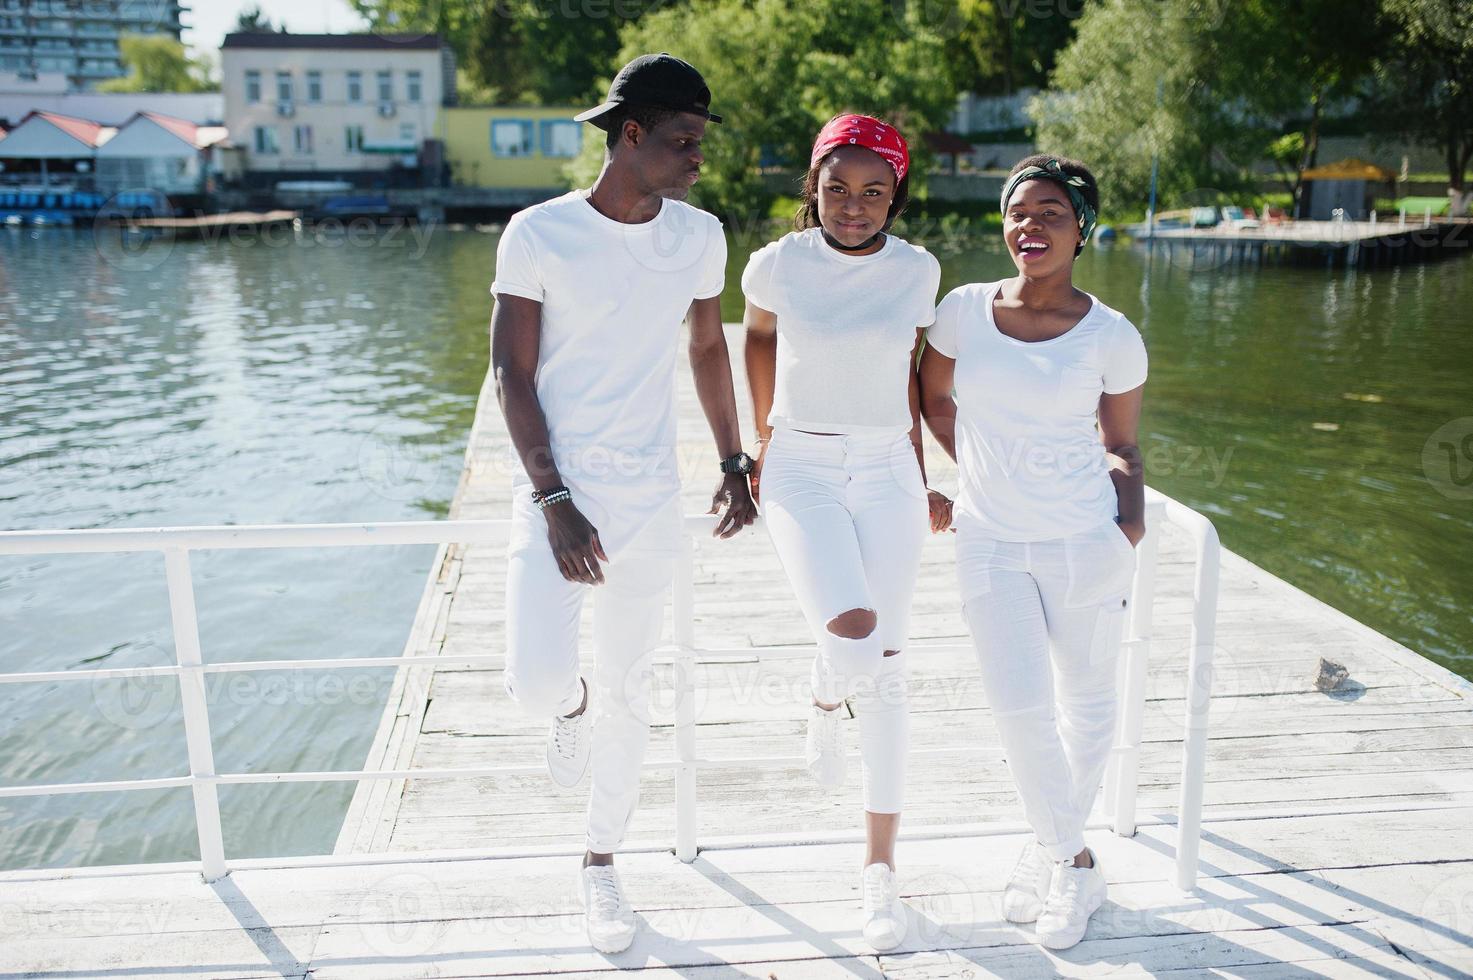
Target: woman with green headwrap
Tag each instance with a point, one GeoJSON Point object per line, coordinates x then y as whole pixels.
{"type": "Point", "coordinates": [1034, 387]}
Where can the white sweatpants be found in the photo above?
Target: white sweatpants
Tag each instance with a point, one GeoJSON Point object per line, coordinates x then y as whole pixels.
{"type": "Point", "coordinates": [1046, 618]}
{"type": "Point", "coordinates": [848, 517]}
{"type": "Point", "coordinates": [543, 610]}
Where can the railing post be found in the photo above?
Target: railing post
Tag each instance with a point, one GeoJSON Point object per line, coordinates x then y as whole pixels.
{"type": "Point", "coordinates": [1199, 700]}
{"type": "Point", "coordinates": [1123, 774]}
{"type": "Point", "coordinates": [196, 714]}
{"type": "Point", "coordinates": [683, 614]}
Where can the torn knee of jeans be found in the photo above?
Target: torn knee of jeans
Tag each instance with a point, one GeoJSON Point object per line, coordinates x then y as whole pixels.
{"type": "Point", "coordinates": [853, 624]}
{"type": "Point", "coordinates": [892, 653]}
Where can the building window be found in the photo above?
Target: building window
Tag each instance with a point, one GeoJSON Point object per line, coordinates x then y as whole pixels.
{"type": "Point", "coordinates": [265, 142]}
{"type": "Point", "coordinates": [386, 86]}
{"type": "Point", "coordinates": [413, 84]}
{"type": "Point", "coordinates": [511, 137]}
{"type": "Point", "coordinates": [302, 140]}
{"type": "Point", "coordinates": [283, 86]}
{"type": "Point", "coordinates": [253, 86]}
{"type": "Point", "coordinates": [353, 139]}
{"type": "Point", "coordinates": [314, 86]}
{"type": "Point", "coordinates": [561, 138]}
{"type": "Point", "coordinates": [355, 86]}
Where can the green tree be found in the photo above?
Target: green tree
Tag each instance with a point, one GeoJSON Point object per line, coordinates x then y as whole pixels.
{"type": "Point", "coordinates": [778, 71]}
{"type": "Point", "coordinates": [1425, 83]}
{"type": "Point", "coordinates": [1138, 80]}
{"type": "Point", "coordinates": [1292, 61]}
{"type": "Point", "coordinates": [544, 51]}
{"type": "Point", "coordinates": [1209, 85]}
{"type": "Point", "coordinates": [158, 63]}
{"type": "Point", "coordinates": [996, 47]}
{"type": "Point", "coordinates": [252, 20]}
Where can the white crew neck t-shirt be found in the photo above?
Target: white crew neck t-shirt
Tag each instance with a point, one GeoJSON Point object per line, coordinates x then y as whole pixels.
{"type": "Point", "coordinates": [846, 327]}
{"type": "Point", "coordinates": [614, 296]}
{"type": "Point", "coordinates": [1031, 460]}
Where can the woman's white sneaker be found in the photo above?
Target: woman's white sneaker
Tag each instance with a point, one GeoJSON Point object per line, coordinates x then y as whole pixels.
{"type": "Point", "coordinates": [823, 750]}
{"type": "Point", "coordinates": [606, 914]}
{"type": "Point", "coordinates": [568, 746]}
{"type": "Point", "coordinates": [884, 912]}
{"type": "Point", "coordinates": [1073, 896]}
{"type": "Point", "coordinates": [1028, 887]}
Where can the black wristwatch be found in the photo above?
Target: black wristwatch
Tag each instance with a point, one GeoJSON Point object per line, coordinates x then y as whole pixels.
{"type": "Point", "coordinates": [740, 463]}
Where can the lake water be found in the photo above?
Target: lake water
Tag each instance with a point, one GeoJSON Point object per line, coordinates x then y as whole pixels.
{"type": "Point", "coordinates": [1323, 419]}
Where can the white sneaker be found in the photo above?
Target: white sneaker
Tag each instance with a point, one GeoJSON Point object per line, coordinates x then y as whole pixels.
{"type": "Point", "coordinates": [607, 916]}
{"type": "Point", "coordinates": [1028, 887]}
{"type": "Point", "coordinates": [568, 746]}
{"type": "Point", "coordinates": [884, 912]}
{"type": "Point", "coordinates": [824, 750]}
{"type": "Point", "coordinates": [1073, 896]}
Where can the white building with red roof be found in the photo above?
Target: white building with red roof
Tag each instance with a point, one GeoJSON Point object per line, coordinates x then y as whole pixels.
{"type": "Point", "coordinates": [165, 154]}
{"type": "Point", "coordinates": [50, 149]}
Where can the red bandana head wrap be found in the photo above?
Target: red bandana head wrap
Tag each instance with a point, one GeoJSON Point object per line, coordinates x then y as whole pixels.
{"type": "Point", "coordinates": [868, 132]}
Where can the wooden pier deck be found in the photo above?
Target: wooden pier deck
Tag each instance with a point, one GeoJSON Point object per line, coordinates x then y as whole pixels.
{"type": "Point", "coordinates": [1336, 839]}
{"type": "Point", "coordinates": [1334, 243]}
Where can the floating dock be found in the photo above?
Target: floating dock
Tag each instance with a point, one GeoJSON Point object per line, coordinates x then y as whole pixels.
{"type": "Point", "coordinates": [212, 225]}
{"type": "Point", "coordinates": [1335, 839]}
{"type": "Point", "coordinates": [1363, 244]}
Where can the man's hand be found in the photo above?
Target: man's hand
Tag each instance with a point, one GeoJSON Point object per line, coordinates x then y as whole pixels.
{"type": "Point", "coordinates": [740, 511]}
{"type": "Point", "coordinates": [574, 543]}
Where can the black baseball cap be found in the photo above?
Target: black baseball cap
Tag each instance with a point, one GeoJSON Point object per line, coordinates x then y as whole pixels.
{"type": "Point", "coordinates": [660, 80]}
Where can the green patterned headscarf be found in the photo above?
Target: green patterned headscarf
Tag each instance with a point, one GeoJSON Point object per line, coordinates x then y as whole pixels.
{"type": "Point", "coordinates": [1071, 183]}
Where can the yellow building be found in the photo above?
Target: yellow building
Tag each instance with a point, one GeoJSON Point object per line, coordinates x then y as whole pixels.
{"type": "Point", "coordinates": [512, 146]}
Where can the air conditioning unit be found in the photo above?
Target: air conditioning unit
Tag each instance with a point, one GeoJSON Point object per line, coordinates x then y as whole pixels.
{"type": "Point", "coordinates": [285, 109]}
{"type": "Point", "coordinates": [386, 109]}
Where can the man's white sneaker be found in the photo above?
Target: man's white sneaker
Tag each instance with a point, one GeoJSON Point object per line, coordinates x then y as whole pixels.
{"type": "Point", "coordinates": [1028, 887]}
{"type": "Point", "coordinates": [884, 912]}
{"type": "Point", "coordinates": [607, 916]}
{"type": "Point", "coordinates": [1073, 896]}
{"type": "Point", "coordinates": [568, 746]}
{"type": "Point", "coordinates": [824, 750]}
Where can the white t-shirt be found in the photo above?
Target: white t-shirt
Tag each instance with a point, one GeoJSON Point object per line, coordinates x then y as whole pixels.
{"type": "Point", "coordinates": [613, 298]}
{"type": "Point", "coordinates": [846, 327]}
{"type": "Point", "coordinates": [1032, 464]}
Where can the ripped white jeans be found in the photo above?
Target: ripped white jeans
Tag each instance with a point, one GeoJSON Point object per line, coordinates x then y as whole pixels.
{"type": "Point", "coordinates": [1046, 619]}
{"type": "Point", "coordinates": [848, 517]}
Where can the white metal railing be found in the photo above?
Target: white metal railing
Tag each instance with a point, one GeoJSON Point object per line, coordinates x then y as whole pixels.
{"type": "Point", "coordinates": [176, 543]}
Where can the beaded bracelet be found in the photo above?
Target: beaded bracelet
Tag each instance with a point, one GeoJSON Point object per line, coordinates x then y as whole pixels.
{"type": "Point", "coordinates": [546, 498]}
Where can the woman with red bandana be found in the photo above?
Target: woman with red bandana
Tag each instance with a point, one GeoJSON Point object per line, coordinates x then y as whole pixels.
{"type": "Point", "coordinates": [834, 316]}
{"type": "Point", "coordinates": [1034, 387]}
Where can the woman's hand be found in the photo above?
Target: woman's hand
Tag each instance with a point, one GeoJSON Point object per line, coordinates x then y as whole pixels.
{"type": "Point", "coordinates": [1133, 532]}
{"type": "Point", "coordinates": [755, 477]}
{"type": "Point", "coordinates": [940, 505]}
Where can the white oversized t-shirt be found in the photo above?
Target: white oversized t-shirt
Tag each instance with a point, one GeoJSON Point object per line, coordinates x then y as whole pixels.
{"type": "Point", "coordinates": [846, 328]}
{"type": "Point", "coordinates": [1031, 460]}
{"type": "Point", "coordinates": [613, 298]}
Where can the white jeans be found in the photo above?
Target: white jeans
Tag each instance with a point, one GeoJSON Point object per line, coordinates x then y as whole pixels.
{"type": "Point", "coordinates": [1046, 618]}
{"type": "Point", "coordinates": [543, 610]}
{"type": "Point", "coordinates": [848, 516]}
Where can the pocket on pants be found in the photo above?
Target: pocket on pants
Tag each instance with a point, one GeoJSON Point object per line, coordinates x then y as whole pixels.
{"type": "Point", "coordinates": [976, 558]}
{"type": "Point", "coordinates": [1101, 565]}
{"type": "Point", "coordinates": [1109, 629]}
